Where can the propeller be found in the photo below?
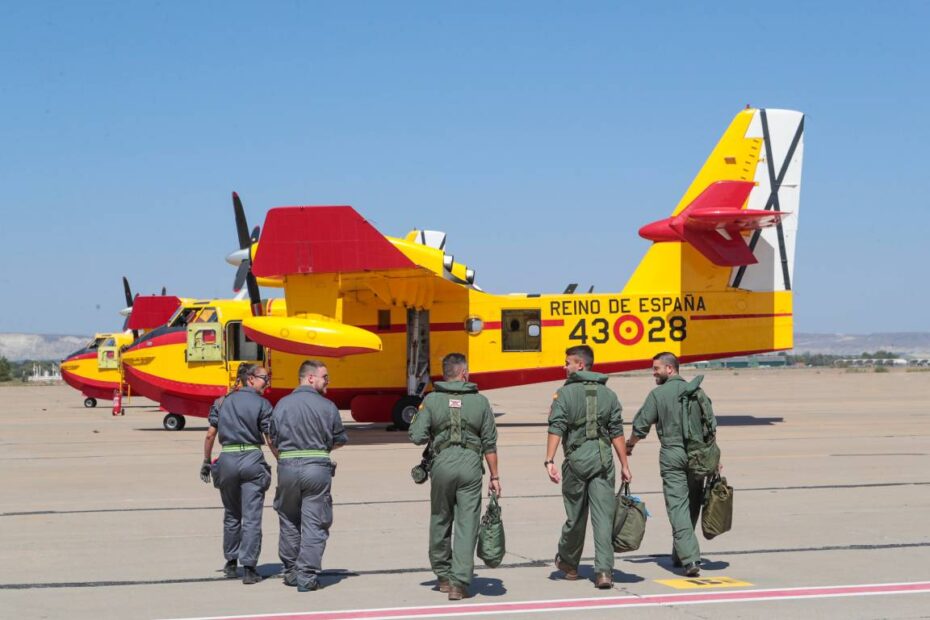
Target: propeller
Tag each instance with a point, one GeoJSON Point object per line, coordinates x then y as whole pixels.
{"type": "Point", "coordinates": [255, 295]}
{"type": "Point", "coordinates": [242, 257]}
{"type": "Point", "coordinates": [128, 309]}
{"type": "Point", "coordinates": [164, 291]}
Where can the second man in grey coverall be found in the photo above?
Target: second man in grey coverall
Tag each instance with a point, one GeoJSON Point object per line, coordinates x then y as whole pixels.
{"type": "Point", "coordinates": [305, 428]}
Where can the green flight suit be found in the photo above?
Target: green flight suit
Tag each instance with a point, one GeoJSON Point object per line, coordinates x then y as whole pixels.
{"type": "Point", "coordinates": [455, 477]}
{"type": "Point", "coordinates": [588, 474]}
{"type": "Point", "coordinates": [683, 490]}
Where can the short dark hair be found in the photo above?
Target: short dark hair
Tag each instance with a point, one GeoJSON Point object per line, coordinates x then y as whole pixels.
{"type": "Point", "coordinates": [669, 359]}
{"type": "Point", "coordinates": [307, 367]}
{"type": "Point", "coordinates": [582, 352]}
{"type": "Point", "coordinates": [453, 365]}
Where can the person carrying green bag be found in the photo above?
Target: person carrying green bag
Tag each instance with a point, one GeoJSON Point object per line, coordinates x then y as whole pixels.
{"type": "Point", "coordinates": [585, 418]}
{"type": "Point", "coordinates": [460, 425]}
{"type": "Point", "coordinates": [682, 478]}
{"type": "Point", "coordinates": [491, 543]}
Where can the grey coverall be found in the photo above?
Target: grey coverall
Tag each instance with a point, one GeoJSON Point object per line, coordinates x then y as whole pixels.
{"type": "Point", "coordinates": [305, 426]}
{"type": "Point", "coordinates": [241, 473]}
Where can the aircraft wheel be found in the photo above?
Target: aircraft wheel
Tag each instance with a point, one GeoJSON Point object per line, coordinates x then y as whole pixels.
{"type": "Point", "coordinates": [90, 402]}
{"type": "Point", "coordinates": [173, 422]}
{"type": "Point", "coordinates": [404, 410]}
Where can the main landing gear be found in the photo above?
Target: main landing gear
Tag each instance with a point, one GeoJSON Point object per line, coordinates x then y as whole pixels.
{"type": "Point", "coordinates": [90, 402]}
{"type": "Point", "coordinates": [404, 410]}
{"type": "Point", "coordinates": [173, 422]}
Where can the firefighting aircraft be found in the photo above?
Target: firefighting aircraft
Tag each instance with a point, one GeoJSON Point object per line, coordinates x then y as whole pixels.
{"type": "Point", "coordinates": [382, 311]}
{"type": "Point", "coordinates": [95, 369]}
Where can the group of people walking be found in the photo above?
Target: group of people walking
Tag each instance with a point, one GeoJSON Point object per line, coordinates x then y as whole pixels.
{"type": "Point", "coordinates": [458, 424]}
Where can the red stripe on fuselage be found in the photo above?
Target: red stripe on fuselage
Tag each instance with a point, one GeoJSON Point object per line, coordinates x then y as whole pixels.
{"type": "Point", "coordinates": [175, 396]}
{"type": "Point", "coordinates": [178, 337]}
{"type": "Point", "coordinates": [92, 388]}
{"type": "Point", "coordinates": [721, 317]}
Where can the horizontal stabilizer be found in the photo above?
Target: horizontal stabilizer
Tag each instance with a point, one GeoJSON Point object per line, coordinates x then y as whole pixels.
{"type": "Point", "coordinates": [713, 221]}
{"type": "Point", "coordinates": [315, 335]}
{"type": "Point", "coordinates": [309, 240]}
{"type": "Point", "coordinates": [151, 311]}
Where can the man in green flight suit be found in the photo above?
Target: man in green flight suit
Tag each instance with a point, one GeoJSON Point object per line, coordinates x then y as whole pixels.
{"type": "Point", "coordinates": [585, 417]}
{"type": "Point", "coordinates": [683, 490]}
{"type": "Point", "coordinates": [460, 424]}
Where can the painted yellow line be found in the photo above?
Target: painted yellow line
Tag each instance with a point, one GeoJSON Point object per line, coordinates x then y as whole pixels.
{"type": "Point", "coordinates": [702, 583]}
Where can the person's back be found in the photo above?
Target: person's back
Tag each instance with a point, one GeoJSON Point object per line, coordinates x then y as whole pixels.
{"type": "Point", "coordinates": [459, 425]}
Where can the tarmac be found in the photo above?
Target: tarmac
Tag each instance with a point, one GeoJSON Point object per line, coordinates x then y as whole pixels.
{"type": "Point", "coordinates": [104, 516]}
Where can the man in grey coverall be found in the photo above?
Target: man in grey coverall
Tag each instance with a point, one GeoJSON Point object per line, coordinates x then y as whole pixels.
{"type": "Point", "coordinates": [242, 421]}
{"type": "Point", "coordinates": [305, 428]}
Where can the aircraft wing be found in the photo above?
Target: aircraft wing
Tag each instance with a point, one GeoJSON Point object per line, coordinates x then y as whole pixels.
{"type": "Point", "coordinates": [315, 240]}
{"type": "Point", "coordinates": [151, 311]}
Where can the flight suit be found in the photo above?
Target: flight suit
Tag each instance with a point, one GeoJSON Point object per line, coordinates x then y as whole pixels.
{"type": "Point", "coordinates": [305, 426]}
{"type": "Point", "coordinates": [683, 490]}
{"type": "Point", "coordinates": [460, 424]}
{"type": "Point", "coordinates": [241, 473]}
{"type": "Point", "coordinates": [588, 473]}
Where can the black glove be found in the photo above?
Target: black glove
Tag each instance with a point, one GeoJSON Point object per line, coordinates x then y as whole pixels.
{"type": "Point", "coordinates": [205, 471]}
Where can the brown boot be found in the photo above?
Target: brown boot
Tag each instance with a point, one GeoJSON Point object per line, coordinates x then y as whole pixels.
{"type": "Point", "coordinates": [443, 585]}
{"type": "Point", "coordinates": [570, 573]}
{"type": "Point", "coordinates": [457, 593]}
{"type": "Point", "coordinates": [603, 581]}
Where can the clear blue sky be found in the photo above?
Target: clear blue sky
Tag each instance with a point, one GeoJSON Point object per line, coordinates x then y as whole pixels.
{"type": "Point", "coordinates": [540, 135]}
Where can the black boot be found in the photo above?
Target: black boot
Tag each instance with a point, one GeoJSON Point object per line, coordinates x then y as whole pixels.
{"type": "Point", "coordinates": [250, 575]}
{"type": "Point", "coordinates": [229, 571]}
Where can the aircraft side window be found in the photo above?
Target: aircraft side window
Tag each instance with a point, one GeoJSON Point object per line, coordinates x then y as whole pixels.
{"type": "Point", "coordinates": [384, 320]}
{"type": "Point", "coordinates": [521, 330]}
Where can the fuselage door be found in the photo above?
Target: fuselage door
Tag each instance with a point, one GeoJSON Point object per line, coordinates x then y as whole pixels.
{"type": "Point", "coordinates": [205, 337]}
{"type": "Point", "coordinates": [240, 349]}
{"type": "Point", "coordinates": [108, 355]}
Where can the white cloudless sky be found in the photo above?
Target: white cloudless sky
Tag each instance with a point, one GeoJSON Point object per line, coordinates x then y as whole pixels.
{"type": "Point", "coordinates": [539, 135]}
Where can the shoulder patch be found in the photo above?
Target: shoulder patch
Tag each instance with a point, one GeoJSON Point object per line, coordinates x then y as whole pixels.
{"type": "Point", "coordinates": [555, 396]}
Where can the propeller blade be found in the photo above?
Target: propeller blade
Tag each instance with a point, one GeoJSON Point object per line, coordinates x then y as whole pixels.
{"type": "Point", "coordinates": [164, 291]}
{"type": "Point", "coordinates": [128, 292]}
{"type": "Point", "coordinates": [242, 227]}
{"type": "Point", "coordinates": [241, 273]}
{"type": "Point", "coordinates": [255, 295]}
{"type": "Point", "coordinates": [256, 232]}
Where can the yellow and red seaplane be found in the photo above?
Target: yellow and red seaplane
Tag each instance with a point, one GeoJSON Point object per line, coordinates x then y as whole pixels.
{"type": "Point", "coordinates": [383, 311]}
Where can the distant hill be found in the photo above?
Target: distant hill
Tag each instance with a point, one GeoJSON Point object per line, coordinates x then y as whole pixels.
{"type": "Point", "coordinates": [54, 347]}
{"type": "Point", "coordinates": [905, 343]}
{"type": "Point", "coordinates": [16, 347]}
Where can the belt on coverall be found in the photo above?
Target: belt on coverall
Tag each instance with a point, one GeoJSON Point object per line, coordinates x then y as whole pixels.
{"type": "Point", "coordinates": [240, 447]}
{"type": "Point", "coordinates": [302, 454]}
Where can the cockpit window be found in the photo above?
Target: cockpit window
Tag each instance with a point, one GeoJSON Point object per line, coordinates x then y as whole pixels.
{"type": "Point", "coordinates": [206, 315]}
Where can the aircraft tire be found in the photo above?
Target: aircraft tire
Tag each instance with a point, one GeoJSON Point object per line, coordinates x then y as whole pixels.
{"type": "Point", "coordinates": [404, 410]}
{"type": "Point", "coordinates": [90, 402]}
{"type": "Point", "coordinates": [173, 422]}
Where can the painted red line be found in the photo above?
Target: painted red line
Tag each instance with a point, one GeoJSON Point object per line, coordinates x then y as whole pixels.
{"type": "Point", "coordinates": [650, 600]}
{"type": "Point", "coordinates": [717, 317]}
